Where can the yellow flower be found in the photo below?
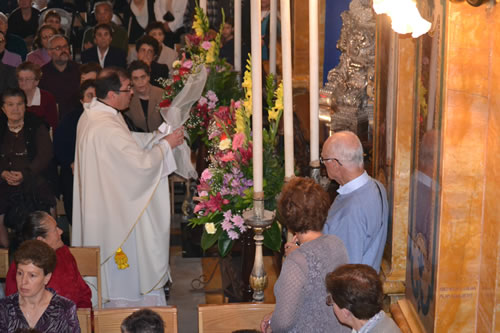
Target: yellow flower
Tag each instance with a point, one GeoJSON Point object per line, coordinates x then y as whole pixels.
{"type": "Point", "coordinates": [210, 228]}
{"type": "Point", "coordinates": [176, 64]}
{"type": "Point", "coordinates": [275, 112]}
{"type": "Point", "coordinates": [225, 144]}
{"type": "Point", "coordinates": [211, 54]}
{"type": "Point", "coordinates": [198, 25]}
{"type": "Point", "coordinates": [240, 121]}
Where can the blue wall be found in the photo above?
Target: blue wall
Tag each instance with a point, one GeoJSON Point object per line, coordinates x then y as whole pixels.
{"type": "Point", "coordinates": [333, 24]}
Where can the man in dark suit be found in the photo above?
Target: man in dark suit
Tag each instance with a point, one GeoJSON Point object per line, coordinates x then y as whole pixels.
{"type": "Point", "coordinates": [103, 53]}
{"type": "Point", "coordinates": [8, 75]}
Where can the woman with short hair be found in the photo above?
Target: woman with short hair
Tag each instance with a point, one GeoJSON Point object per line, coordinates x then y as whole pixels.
{"type": "Point", "coordinates": [39, 101]}
{"type": "Point", "coordinates": [40, 54]}
{"type": "Point", "coordinates": [143, 109]}
{"type": "Point", "coordinates": [300, 289]}
{"type": "Point", "coordinates": [355, 292]}
{"type": "Point", "coordinates": [36, 306]}
{"type": "Point", "coordinates": [66, 279]}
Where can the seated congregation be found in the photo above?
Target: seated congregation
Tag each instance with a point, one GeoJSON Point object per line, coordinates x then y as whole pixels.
{"type": "Point", "coordinates": [84, 139]}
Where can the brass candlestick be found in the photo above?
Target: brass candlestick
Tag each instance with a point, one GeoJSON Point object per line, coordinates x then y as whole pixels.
{"type": "Point", "coordinates": [259, 219]}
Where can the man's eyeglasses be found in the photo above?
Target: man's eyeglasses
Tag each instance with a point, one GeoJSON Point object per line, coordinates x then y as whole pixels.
{"type": "Point", "coordinates": [329, 300]}
{"type": "Point", "coordinates": [324, 160]}
{"type": "Point", "coordinates": [129, 89]}
{"type": "Point", "coordinates": [60, 48]}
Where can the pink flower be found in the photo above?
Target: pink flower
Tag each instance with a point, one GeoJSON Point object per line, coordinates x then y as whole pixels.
{"type": "Point", "coordinates": [233, 234]}
{"type": "Point", "coordinates": [206, 45]}
{"type": "Point", "coordinates": [202, 101]}
{"type": "Point", "coordinates": [238, 140]}
{"type": "Point", "coordinates": [187, 64]}
{"type": "Point", "coordinates": [206, 175]}
{"type": "Point", "coordinates": [238, 220]}
{"type": "Point", "coordinates": [227, 225]}
{"type": "Point", "coordinates": [228, 157]}
{"type": "Point", "coordinates": [215, 203]}
{"type": "Point", "coordinates": [199, 207]}
{"type": "Point", "coordinates": [237, 104]}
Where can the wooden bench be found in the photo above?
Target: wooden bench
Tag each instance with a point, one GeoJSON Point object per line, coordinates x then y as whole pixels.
{"type": "Point", "coordinates": [226, 318]}
{"type": "Point", "coordinates": [84, 317]}
{"type": "Point", "coordinates": [88, 260]}
{"type": "Point", "coordinates": [109, 320]}
{"type": "Point", "coordinates": [4, 263]}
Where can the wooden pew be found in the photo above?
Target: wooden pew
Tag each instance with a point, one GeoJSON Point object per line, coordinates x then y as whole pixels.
{"type": "Point", "coordinates": [226, 318]}
{"type": "Point", "coordinates": [88, 260]}
{"type": "Point", "coordinates": [84, 317]}
{"type": "Point", "coordinates": [109, 320]}
{"type": "Point", "coordinates": [4, 263]}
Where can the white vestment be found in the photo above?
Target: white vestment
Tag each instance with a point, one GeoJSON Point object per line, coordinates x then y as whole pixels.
{"type": "Point", "coordinates": [121, 199]}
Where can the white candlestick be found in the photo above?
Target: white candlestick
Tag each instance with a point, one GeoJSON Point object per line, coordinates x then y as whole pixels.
{"type": "Point", "coordinates": [286, 42]}
{"type": "Point", "coordinates": [314, 79]}
{"type": "Point", "coordinates": [237, 35]}
{"type": "Point", "coordinates": [272, 36]}
{"type": "Point", "coordinates": [256, 96]}
{"type": "Point", "coordinates": [203, 5]}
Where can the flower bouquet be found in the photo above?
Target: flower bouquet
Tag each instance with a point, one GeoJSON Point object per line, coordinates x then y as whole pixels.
{"type": "Point", "coordinates": [226, 186]}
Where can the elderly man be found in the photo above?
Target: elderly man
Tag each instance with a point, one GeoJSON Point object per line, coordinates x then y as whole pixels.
{"type": "Point", "coordinates": [120, 196]}
{"type": "Point", "coordinates": [103, 11]}
{"type": "Point", "coordinates": [61, 76]}
{"type": "Point", "coordinates": [359, 213]}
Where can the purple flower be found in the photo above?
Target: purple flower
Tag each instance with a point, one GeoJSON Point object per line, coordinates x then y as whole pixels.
{"type": "Point", "coordinates": [238, 220]}
{"type": "Point", "coordinates": [227, 226]}
{"type": "Point", "coordinates": [233, 234]}
{"type": "Point", "coordinates": [212, 96]}
{"type": "Point", "coordinates": [202, 101]}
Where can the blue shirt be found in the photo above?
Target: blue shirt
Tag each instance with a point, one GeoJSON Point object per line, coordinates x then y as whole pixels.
{"type": "Point", "coordinates": [359, 217]}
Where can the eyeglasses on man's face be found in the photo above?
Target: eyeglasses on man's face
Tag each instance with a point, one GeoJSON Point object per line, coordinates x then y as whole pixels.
{"type": "Point", "coordinates": [127, 90]}
{"type": "Point", "coordinates": [60, 47]}
{"type": "Point", "coordinates": [324, 160]}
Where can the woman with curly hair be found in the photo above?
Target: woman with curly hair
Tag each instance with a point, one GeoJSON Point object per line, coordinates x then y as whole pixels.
{"type": "Point", "coordinates": [300, 290]}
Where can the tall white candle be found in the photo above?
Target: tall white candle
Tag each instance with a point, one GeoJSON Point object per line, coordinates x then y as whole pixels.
{"type": "Point", "coordinates": [286, 43]}
{"type": "Point", "coordinates": [256, 95]}
{"type": "Point", "coordinates": [272, 36]}
{"type": "Point", "coordinates": [237, 35]}
{"type": "Point", "coordinates": [203, 5]}
{"type": "Point", "coordinates": [314, 80]}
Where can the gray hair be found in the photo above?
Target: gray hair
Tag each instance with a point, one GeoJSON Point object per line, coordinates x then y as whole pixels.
{"type": "Point", "coordinates": [56, 37]}
{"type": "Point", "coordinates": [348, 149]}
{"type": "Point", "coordinates": [99, 3]}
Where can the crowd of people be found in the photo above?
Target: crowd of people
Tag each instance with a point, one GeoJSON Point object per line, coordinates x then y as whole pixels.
{"type": "Point", "coordinates": [83, 123]}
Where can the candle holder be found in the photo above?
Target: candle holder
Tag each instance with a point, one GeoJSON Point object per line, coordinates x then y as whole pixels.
{"type": "Point", "coordinates": [259, 220]}
{"type": "Point", "coordinates": [315, 171]}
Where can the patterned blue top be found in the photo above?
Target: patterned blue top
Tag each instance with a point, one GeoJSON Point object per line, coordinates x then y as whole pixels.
{"type": "Point", "coordinates": [60, 316]}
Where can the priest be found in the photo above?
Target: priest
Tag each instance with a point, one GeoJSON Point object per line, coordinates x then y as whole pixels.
{"type": "Point", "coordinates": [121, 197]}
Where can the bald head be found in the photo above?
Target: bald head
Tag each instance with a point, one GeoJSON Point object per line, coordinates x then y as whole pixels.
{"type": "Point", "coordinates": [346, 147]}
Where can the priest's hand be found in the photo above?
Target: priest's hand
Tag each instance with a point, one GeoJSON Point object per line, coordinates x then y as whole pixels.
{"type": "Point", "coordinates": [175, 138]}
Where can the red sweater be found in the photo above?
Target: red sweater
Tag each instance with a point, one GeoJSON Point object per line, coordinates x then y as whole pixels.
{"type": "Point", "coordinates": [66, 280]}
{"type": "Point", "coordinates": [47, 110]}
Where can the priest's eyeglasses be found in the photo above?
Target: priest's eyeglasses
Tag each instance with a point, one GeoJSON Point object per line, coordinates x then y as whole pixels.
{"type": "Point", "coordinates": [324, 160]}
{"type": "Point", "coordinates": [129, 89]}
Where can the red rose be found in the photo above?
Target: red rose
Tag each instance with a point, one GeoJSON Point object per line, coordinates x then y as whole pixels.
{"type": "Point", "coordinates": [183, 71]}
{"type": "Point", "coordinates": [176, 78]}
{"type": "Point", "coordinates": [165, 103]}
